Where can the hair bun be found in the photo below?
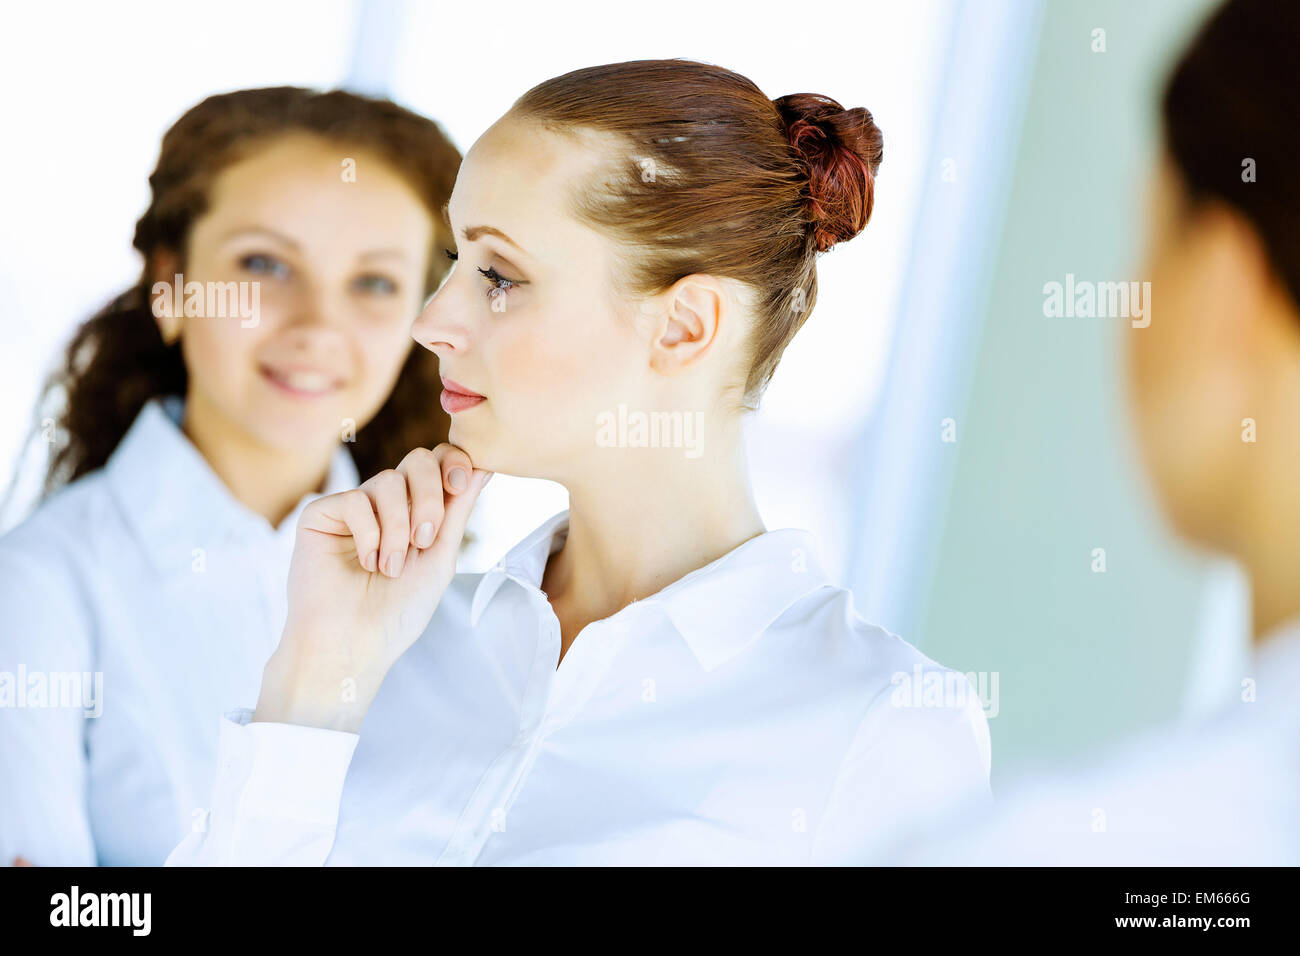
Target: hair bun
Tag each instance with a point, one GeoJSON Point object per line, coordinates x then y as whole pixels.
{"type": "Point", "coordinates": [840, 150]}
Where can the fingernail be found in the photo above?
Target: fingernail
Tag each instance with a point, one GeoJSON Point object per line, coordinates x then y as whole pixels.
{"type": "Point", "coordinates": [372, 561]}
{"type": "Point", "coordinates": [457, 479]}
{"type": "Point", "coordinates": [395, 563]}
{"type": "Point", "coordinates": [424, 535]}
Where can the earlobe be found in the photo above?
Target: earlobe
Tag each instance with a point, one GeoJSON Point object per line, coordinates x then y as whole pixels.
{"type": "Point", "coordinates": [161, 304]}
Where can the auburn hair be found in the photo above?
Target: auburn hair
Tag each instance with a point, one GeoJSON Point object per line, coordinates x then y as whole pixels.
{"type": "Point", "coordinates": [711, 176]}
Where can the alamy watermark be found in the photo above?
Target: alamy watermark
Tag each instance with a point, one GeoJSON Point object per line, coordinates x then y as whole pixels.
{"type": "Point", "coordinates": [53, 689]}
{"type": "Point", "coordinates": [945, 688]}
{"type": "Point", "coordinates": [626, 428]}
{"type": "Point", "coordinates": [75, 908]}
{"type": "Point", "coordinates": [1098, 300]}
{"type": "Point", "coordinates": [212, 300]}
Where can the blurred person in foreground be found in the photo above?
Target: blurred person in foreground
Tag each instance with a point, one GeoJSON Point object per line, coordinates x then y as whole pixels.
{"type": "Point", "coordinates": [1215, 392]}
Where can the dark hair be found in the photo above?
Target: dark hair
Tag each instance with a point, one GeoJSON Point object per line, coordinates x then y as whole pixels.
{"type": "Point", "coordinates": [719, 179]}
{"type": "Point", "coordinates": [117, 360]}
{"type": "Point", "coordinates": [1234, 96]}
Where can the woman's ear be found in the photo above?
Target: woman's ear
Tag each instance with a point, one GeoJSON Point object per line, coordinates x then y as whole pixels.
{"type": "Point", "coordinates": [164, 269]}
{"type": "Point", "coordinates": [694, 309]}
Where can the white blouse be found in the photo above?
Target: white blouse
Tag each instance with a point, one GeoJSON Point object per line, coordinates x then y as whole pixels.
{"type": "Point", "coordinates": [138, 602]}
{"type": "Point", "coordinates": [743, 715]}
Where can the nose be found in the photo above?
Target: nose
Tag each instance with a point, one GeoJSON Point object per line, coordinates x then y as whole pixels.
{"type": "Point", "coordinates": [438, 329]}
{"type": "Point", "coordinates": [313, 307]}
{"type": "Point", "coordinates": [312, 318]}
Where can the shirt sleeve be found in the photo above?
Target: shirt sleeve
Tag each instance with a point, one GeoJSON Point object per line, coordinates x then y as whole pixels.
{"type": "Point", "coordinates": [48, 692]}
{"type": "Point", "coordinates": [276, 798]}
{"type": "Point", "coordinates": [909, 765]}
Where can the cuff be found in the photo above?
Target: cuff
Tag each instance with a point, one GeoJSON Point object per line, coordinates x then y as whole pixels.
{"type": "Point", "coordinates": [283, 771]}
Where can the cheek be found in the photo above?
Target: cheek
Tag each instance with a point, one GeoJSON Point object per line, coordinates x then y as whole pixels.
{"type": "Point", "coordinates": [1163, 354]}
{"type": "Point", "coordinates": [532, 368]}
{"type": "Point", "coordinates": [1184, 404]}
{"type": "Point", "coordinates": [220, 353]}
{"type": "Point", "coordinates": [378, 357]}
{"type": "Point", "coordinates": [570, 377]}
{"type": "Point", "coordinates": [538, 383]}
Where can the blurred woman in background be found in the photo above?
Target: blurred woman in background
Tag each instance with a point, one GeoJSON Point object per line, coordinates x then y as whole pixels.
{"type": "Point", "coordinates": [1215, 382]}
{"type": "Point", "coordinates": [263, 357]}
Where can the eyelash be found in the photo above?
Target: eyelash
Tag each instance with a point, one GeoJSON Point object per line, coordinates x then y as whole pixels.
{"type": "Point", "coordinates": [500, 284]}
{"type": "Point", "coordinates": [246, 262]}
{"type": "Point", "coordinates": [391, 287]}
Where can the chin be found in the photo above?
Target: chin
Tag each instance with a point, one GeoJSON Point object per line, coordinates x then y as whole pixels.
{"type": "Point", "coordinates": [471, 442]}
{"type": "Point", "coordinates": [490, 456]}
{"type": "Point", "coordinates": [305, 433]}
{"type": "Point", "coordinates": [1185, 514]}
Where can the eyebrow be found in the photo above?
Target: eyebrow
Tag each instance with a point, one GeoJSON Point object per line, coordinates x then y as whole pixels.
{"type": "Point", "coordinates": [385, 254]}
{"type": "Point", "coordinates": [260, 231]}
{"type": "Point", "coordinates": [470, 233]}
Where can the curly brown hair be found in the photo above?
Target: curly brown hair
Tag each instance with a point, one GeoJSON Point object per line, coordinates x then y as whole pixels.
{"type": "Point", "coordinates": [117, 360]}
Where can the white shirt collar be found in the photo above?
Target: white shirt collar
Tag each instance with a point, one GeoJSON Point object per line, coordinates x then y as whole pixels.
{"type": "Point", "coordinates": [718, 609]}
{"type": "Point", "coordinates": [176, 503]}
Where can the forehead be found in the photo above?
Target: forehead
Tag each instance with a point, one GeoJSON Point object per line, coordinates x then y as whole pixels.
{"type": "Point", "coordinates": [520, 178]}
{"type": "Point", "coordinates": [297, 180]}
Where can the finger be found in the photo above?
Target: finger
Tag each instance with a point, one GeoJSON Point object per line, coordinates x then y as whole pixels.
{"type": "Point", "coordinates": [456, 518]}
{"type": "Point", "coordinates": [19, 861]}
{"type": "Point", "coordinates": [388, 494]}
{"type": "Point", "coordinates": [424, 484]}
{"type": "Point", "coordinates": [347, 514]}
{"type": "Point", "coordinates": [457, 469]}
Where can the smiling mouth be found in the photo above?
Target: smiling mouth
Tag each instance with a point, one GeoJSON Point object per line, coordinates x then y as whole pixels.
{"type": "Point", "coordinates": [457, 398]}
{"type": "Point", "coordinates": [301, 382]}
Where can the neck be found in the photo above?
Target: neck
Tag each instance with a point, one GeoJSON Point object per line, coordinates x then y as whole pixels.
{"type": "Point", "coordinates": [1273, 563]}
{"type": "Point", "coordinates": [636, 529]}
{"type": "Point", "coordinates": [268, 481]}
{"type": "Point", "coordinates": [1268, 534]}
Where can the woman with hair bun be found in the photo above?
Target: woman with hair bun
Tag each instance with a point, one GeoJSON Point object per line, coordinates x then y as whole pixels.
{"type": "Point", "coordinates": [651, 677]}
{"type": "Point", "coordinates": [262, 357]}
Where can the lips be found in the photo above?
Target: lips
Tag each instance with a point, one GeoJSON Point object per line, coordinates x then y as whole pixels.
{"type": "Point", "coordinates": [457, 398]}
{"type": "Point", "coordinates": [301, 381]}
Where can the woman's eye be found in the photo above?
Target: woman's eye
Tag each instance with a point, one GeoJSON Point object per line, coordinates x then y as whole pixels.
{"type": "Point", "coordinates": [262, 264]}
{"type": "Point", "coordinates": [377, 284]}
{"type": "Point", "coordinates": [497, 283]}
